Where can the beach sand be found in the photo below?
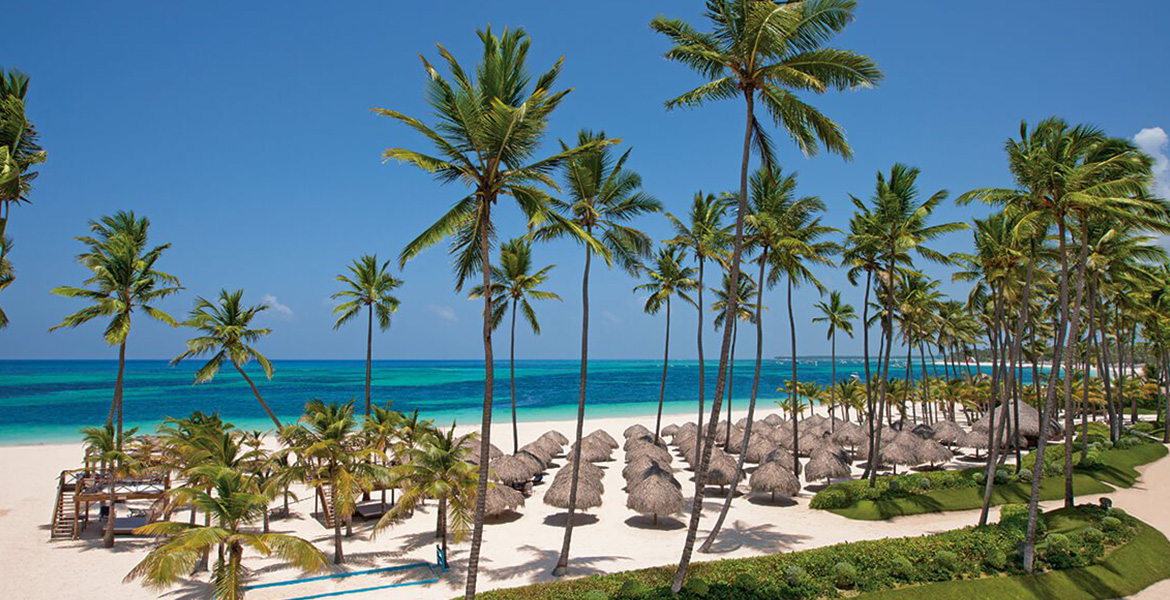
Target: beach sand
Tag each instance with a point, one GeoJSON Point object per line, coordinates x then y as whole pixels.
{"type": "Point", "coordinates": [516, 551]}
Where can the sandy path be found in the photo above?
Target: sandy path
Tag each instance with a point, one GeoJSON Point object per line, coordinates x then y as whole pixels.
{"type": "Point", "coordinates": [516, 551]}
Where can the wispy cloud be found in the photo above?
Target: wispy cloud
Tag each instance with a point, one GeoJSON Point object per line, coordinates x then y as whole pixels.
{"type": "Point", "coordinates": [1155, 142]}
{"type": "Point", "coordinates": [611, 318]}
{"type": "Point", "coordinates": [444, 313]}
{"type": "Point", "coordinates": [280, 310]}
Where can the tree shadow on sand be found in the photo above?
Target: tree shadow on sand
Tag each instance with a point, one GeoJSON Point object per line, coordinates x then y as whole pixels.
{"type": "Point", "coordinates": [647, 522]}
{"type": "Point", "coordinates": [562, 518]}
{"type": "Point", "coordinates": [760, 538]}
{"type": "Point", "coordinates": [189, 589]}
{"type": "Point", "coordinates": [542, 562]}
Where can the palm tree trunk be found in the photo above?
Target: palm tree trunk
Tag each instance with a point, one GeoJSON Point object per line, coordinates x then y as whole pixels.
{"type": "Point", "coordinates": [257, 393]}
{"type": "Point", "coordinates": [485, 427]}
{"type": "Point", "coordinates": [702, 367]}
{"type": "Point", "coordinates": [833, 385]}
{"type": "Point", "coordinates": [732, 310]}
{"type": "Point", "coordinates": [116, 404]}
{"type": "Point", "coordinates": [563, 561]}
{"type": "Point", "coordinates": [747, 430]}
{"type": "Point", "coordinates": [888, 325]}
{"type": "Point", "coordinates": [665, 362]}
{"type": "Point", "coordinates": [338, 553]}
{"type": "Point", "coordinates": [369, 354]}
{"type": "Point", "coordinates": [512, 378]}
{"type": "Point", "coordinates": [995, 436]}
{"type": "Point", "coordinates": [1074, 336]}
{"type": "Point", "coordinates": [111, 516]}
{"type": "Point", "coordinates": [731, 379]}
{"type": "Point", "coordinates": [869, 405]}
{"type": "Point", "coordinates": [795, 400]}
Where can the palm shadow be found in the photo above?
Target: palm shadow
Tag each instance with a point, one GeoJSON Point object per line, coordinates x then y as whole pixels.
{"type": "Point", "coordinates": [561, 519]}
{"type": "Point", "coordinates": [647, 522]}
{"type": "Point", "coordinates": [539, 566]}
{"type": "Point", "coordinates": [760, 538]}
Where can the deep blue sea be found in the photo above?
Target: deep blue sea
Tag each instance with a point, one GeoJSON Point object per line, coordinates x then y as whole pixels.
{"type": "Point", "coordinates": [49, 401]}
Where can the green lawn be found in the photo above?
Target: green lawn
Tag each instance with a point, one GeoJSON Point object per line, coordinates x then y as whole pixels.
{"type": "Point", "coordinates": [1145, 560]}
{"type": "Point", "coordinates": [1120, 470]}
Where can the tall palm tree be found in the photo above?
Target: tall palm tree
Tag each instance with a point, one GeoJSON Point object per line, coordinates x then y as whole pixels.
{"type": "Point", "coordinates": [764, 51]}
{"type": "Point", "coordinates": [7, 275]}
{"type": "Point", "coordinates": [331, 452]}
{"type": "Point", "coordinates": [234, 503]}
{"type": "Point", "coordinates": [490, 127]}
{"type": "Point", "coordinates": [437, 469]}
{"type": "Point", "coordinates": [602, 196]}
{"type": "Point", "coordinates": [123, 280]}
{"type": "Point", "coordinates": [226, 332]}
{"type": "Point", "coordinates": [668, 278]}
{"type": "Point", "coordinates": [20, 150]}
{"type": "Point", "coordinates": [369, 285]}
{"type": "Point", "coordinates": [105, 446]}
{"type": "Point", "coordinates": [838, 316]}
{"type": "Point", "coordinates": [706, 236]}
{"type": "Point", "coordinates": [513, 284]}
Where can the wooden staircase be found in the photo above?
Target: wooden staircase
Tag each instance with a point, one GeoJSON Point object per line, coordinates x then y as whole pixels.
{"type": "Point", "coordinates": [65, 510]}
{"type": "Point", "coordinates": [325, 496]}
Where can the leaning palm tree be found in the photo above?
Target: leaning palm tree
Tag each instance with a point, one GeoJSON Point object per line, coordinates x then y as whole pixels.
{"type": "Point", "coordinates": [763, 51]}
{"type": "Point", "coordinates": [123, 281]}
{"type": "Point", "coordinates": [7, 275]}
{"type": "Point", "coordinates": [705, 235]}
{"type": "Point", "coordinates": [437, 469]}
{"type": "Point", "coordinates": [744, 312]}
{"type": "Point", "coordinates": [838, 316]}
{"type": "Point", "coordinates": [370, 286]}
{"type": "Point", "coordinates": [20, 150]}
{"type": "Point", "coordinates": [235, 503]}
{"type": "Point", "coordinates": [490, 127]}
{"type": "Point", "coordinates": [227, 334]}
{"type": "Point", "coordinates": [668, 278]}
{"type": "Point", "coordinates": [513, 284]}
{"type": "Point", "coordinates": [602, 197]}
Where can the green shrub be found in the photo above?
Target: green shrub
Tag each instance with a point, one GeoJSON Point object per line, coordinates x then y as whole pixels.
{"type": "Point", "coordinates": [946, 561]}
{"type": "Point", "coordinates": [995, 560]}
{"type": "Point", "coordinates": [1128, 441]}
{"type": "Point", "coordinates": [1002, 476]}
{"type": "Point", "coordinates": [1112, 524]}
{"type": "Point", "coordinates": [1093, 535]}
{"type": "Point", "coordinates": [1091, 460]}
{"type": "Point", "coordinates": [1143, 427]}
{"type": "Point", "coordinates": [1060, 552]}
{"type": "Point", "coordinates": [697, 587]}
{"type": "Point", "coordinates": [830, 498]}
{"type": "Point", "coordinates": [844, 575]}
{"type": "Point", "coordinates": [902, 569]}
{"type": "Point", "coordinates": [1015, 516]}
{"type": "Point", "coordinates": [634, 589]}
{"type": "Point", "coordinates": [796, 576]}
{"type": "Point", "coordinates": [595, 595]}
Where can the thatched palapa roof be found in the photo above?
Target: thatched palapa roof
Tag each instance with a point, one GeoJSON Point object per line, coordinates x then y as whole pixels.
{"type": "Point", "coordinates": [774, 478]}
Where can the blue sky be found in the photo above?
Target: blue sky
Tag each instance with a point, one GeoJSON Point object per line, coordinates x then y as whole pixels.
{"type": "Point", "coordinates": [243, 131]}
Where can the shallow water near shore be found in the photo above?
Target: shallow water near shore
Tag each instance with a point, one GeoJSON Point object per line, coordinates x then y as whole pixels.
{"type": "Point", "coordinates": [50, 400]}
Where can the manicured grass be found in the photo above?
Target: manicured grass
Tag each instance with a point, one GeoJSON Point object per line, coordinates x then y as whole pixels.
{"type": "Point", "coordinates": [1144, 561]}
{"type": "Point", "coordinates": [1120, 470]}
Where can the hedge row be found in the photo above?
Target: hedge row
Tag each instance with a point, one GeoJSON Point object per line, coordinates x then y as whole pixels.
{"type": "Point", "coordinates": [855, 567]}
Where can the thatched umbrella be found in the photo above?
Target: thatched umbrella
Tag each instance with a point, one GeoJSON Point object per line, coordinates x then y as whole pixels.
{"type": "Point", "coordinates": [898, 454]}
{"type": "Point", "coordinates": [501, 499]}
{"type": "Point", "coordinates": [548, 446]}
{"type": "Point", "coordinates": [721, 470]}
{"type": "Point", "coordinates": [849, 434]}
{"type": "Point", "coordinates": [669, 430]}
{"type": "Point", "coordinates": [532, 460]}
{"type": "Point", "coordinates": [974, 439]}
{"type": "Point", "coordinates": [473, 450]}
{"type": "Point", "coordinates": [815, 422]}
{"type": "Point", "coordinates": [556, 436]}
{"type": "Point", "coordinates": [933, 452]}
{"type": "Point", "coordinates": [640, 440]}
{"type": "Point", "coordinates": [774, 420]}
{"type": "Point", "coordinates": [512, 470]}
{"type": "Point", "coordinates": [825, 465]}
{"type": "Point", "coordinates": [774, 478]}
{"type": "Point", "coordinates": [587, 469]}
{"type": "Point", "coordinates": [636, 430]}
{"type": "Point", "coordinates": [683, 439]}
{"type": "Point", "coordinates": [650, 450]}
{"type": "Point", "coordinates": [588, 495]}
{"type": "Point", "coordinates": [721, 432]}
{"type": "Point", "coordinates": [601, 434]}
{"type": "Point", "coordinates": [758, 449]}
{"type": "Point", "coordinates": [735, 442]}
{"type": "Point", "coordinates": [592, 450]}
{"type": "Point", "coordinates": [540, 451]}
{"type": "Point", "coordinates": [781, 456]}
{"type": "Point", "coordinates": [948, 432]}
{"type": "Point", "coordinates": [782, 436]}
{"type": "Point", "coordinates": [810, 441]}
{"type": "Point", "coordinates": [655, 495]}
{"type": "Point", "coordinates": [639, 465]}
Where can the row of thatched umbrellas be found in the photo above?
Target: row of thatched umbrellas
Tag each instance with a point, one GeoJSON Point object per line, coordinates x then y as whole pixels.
{"type": "Point", "coordinates": [650, 482]}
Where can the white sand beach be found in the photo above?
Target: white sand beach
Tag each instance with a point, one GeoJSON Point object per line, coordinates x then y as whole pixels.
{"type": "Point", "coordinates": [516, 551]}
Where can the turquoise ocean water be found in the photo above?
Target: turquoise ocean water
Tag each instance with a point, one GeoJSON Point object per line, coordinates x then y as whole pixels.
{"type": "Point", "coordinates": [49, 401]}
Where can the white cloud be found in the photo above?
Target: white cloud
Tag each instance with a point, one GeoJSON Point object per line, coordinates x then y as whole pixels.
{"type": "Point", "coordinates": [444, 313]}
{"type": "Point", "coordinates": [1155, 142]}
{"type": "Point", "coordinates": [275, 306]}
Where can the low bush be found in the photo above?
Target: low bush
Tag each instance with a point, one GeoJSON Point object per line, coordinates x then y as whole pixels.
{"type": "Point", "coordinates": [846, 493]}
{"type": "Point", "coordinates": [845, 575]}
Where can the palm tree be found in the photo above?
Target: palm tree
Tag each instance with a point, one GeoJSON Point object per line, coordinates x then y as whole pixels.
{"type": "Point", "coordinates": [370, 286]}
{"type": "Point", "coordinates": [763, 51]}
{"type": "Point", "coordinates": [490, 127]}
{"type": "Point", "coordinates": [19, 148]}
{"type": "Point", "coordinates": [706, 237]}
{"type": "Point", "coordinates": [123, 280]}
{"type": "Point", "coordinates": [436, 469]}
{"type": "Point", "coordinates": [105, 445]}
{"type": "Point", "coordinates": [332, 453]}
{"type": "Point", "coordinates": [7, 276]}
{"type": "Point", "coordinates": [227, 333]}
{"type": "Point", "coordinates": [668, 278]}
{"type": "Point", "coordinates": [234, 502]}
{"type": "Point", "coordinates": [838, 316]}
{"type": "Point", "coordinates": [602, 197]}
{"type": "Point", "coordinates": [747, 289]}
{"type": "Point", "coordinates": [513, 284]}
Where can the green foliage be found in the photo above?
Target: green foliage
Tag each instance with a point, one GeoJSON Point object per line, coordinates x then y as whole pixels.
{"type": "Point", "coordinates": [633, 589]}
{"type": "Point", "coordinates": [902, 568]}
{"type": "Point", "coordinates": [1129, 441]}
{"type": "Point", "coordinates": [844, 575]}
{"type": "Point", "coordinates": [996, 560]}
{"type": "Point", "coordinates": [595, 595]}
{"type": "Point", "coordinates": [1015, 516]}
{"type": "Point", "coordinates": [846, 493]}
{"type": "Point", "coordinates": [697, 586]}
